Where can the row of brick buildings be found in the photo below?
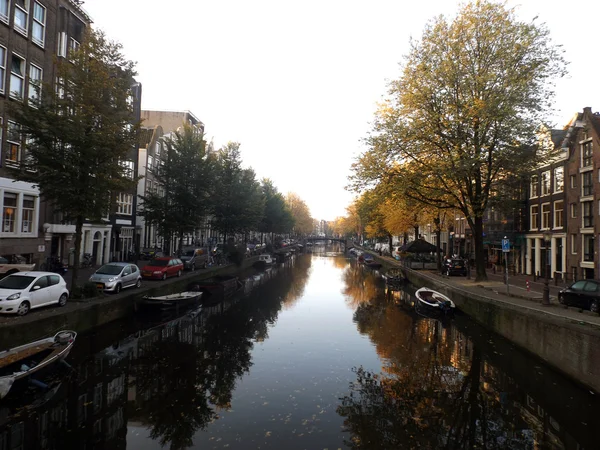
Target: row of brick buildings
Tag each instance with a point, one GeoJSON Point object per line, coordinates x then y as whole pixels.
{"type": "Point", "coordinates": [554, 227]}
{"type": "Point", "coordinates": [33, 34]}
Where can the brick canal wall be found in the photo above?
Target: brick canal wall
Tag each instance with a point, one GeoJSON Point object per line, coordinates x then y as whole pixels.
{"type": "Point", "coordinates": [82, 316]}
{"type": "Point", "coordinates": [570, 347]}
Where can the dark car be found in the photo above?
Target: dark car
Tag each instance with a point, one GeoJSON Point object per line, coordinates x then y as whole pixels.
{"type": "Point", "coordinates": [455, 267]}
{"type": "Point", "coordinates": [584, 294]}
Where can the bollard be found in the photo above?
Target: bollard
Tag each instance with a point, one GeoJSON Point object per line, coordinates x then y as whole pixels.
{"type": "Point", "coordinates": [527, 284]}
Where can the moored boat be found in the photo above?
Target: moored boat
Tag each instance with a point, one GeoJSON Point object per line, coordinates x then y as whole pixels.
{"type": "Point", "coordinates": [172, 300]}
{"type": "Point", "coordinates": [394, 277]}
{"type": "Point", "coordinates": [217, 286]}
{"type": "Point", "coordinates": [263, 261]}
{"type": "Point", "coordinates": [432, 299]}
{"type": "Point", "coordinates": [23, 361]}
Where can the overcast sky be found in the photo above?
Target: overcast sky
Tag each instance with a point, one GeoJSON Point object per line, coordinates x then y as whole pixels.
{"type": "Point", "coordinates": [296, 82]}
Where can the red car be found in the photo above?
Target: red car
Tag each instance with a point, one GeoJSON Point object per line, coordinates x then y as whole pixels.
{"type": "Point", "coordinates": [161, 268]}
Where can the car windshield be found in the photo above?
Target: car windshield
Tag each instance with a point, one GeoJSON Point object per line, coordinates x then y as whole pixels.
{"type": "Point", "coordinates": [159, 263]}
{"type": "Point", "coordinates": [16, 282]}
{"type": "Point", "coordinates": [109, 269]}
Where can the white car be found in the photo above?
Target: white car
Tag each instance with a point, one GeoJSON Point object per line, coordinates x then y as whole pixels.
{"type": "Point", "coordinates": [23, 291]}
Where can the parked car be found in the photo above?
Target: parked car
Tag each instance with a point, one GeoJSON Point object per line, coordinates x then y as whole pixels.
{"type": "Point", "coordinates": [584, 294]}
{"type": "Point", "coordinates": [17, 264]}
{"type": "Point", "coordinates": [23, 291]}
{"type": "Point", "coordinates": [147, 254]}
{"type": "Point", "coordinates": [113, 277]}
{"type": "Point", "coordinates": [161, 268]}
{"type": "Point", "coordinates": [195, 258]}
{"type": "Point", "coordinates": [454, 267]}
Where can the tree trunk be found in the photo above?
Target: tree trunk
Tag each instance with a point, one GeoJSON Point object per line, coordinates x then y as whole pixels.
{"type": "Point", "coordinates": [405, 237]}
{"type": "Point", "coordinates": [416, 232]}
{"type": "Point", "coordinates": [180, 243]}
{"type": "Point", "coordinates": [390, 243]}
{"type": "Point", "coordinates": [438, 235]}
{"type": "Point", "coordinates": [477, 230]}
{"type": "Point", "coordinates": [76, 262]}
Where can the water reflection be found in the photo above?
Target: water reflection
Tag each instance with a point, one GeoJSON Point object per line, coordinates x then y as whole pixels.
{"type": "Point", "coordinates": [440, 386]}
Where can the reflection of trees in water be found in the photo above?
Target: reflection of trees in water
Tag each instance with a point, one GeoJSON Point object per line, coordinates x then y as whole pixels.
{"type": "Point", "coordinates": [361, 286]}
{"type": "Point", "coordinates": [187, 369]}
{"type": "Point", "coordinates": [299, 277]}
{"type": "Point", "coordinates": [427, 396]}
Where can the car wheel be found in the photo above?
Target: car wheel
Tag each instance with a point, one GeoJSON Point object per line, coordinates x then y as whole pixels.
{"type": "Point", "coordinates": [179, 273]}
{"type": "Point", "coordinates": [23, 308]}
{"type": "Point", "coordinates": [595, 306]}
{"type": "Point", "coordinates": [561, 299]}
{"type": "Point", "coordinates": [62, 301]}
{"type": "Point", "coordinates": [117, 288]}
{"type": "Point", "coordinates": [164, 277]}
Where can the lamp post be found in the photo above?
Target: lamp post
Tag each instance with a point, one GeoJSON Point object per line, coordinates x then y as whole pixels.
{"type": "Point", "coordinates": [546, 292]}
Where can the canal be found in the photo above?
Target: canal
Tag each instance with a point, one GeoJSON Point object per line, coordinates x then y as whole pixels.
{"type": "Point", "coordinates": [315, 353]}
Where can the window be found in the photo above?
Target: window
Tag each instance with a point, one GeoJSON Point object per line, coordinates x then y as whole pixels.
{"type": "Point", "coordinates": [21, 12]}
{"type": "Point", "coordinates": [9, 212]}
{"type": "Point", "coordinates": [586, 154]}
{"type": "Point", "coordinates": [35, 83]}
{"type": "Point", "coordinates": [546, 182]}
{"type": "Point", "coordinates": [573, 181]}
{"type": "Point", "coordinates": [534, 217]}
{"type": "Point", "coordinates": [17, 76]}
{"type": "Point", "coordinates": [533, 191]}
{"type": "Point", "coordinates": [2, 67]}
{"type": "Point", "coordinates": [546, 216]}
{"type": "Point", "coordinates": [28, 213]}
{"type": "Point", "coordinates": [559, 179]}
{"type": "Point", "coordinates": [588, 247]}
{"type": "Point", "coordinates": [558, 214]}
{"type": "Point", "coordinates": [127, 169]}
{"type": "Point", "coordinates": [586, 184]}
{"type": "Point", "coordinates": [38, 29]}
{"type": "Point", "coordinates": [573, 210]}
{"type": "Point", "coordinates": [62, 44]}
{"type": "Point", "coordinates": [4, 7]}
{"type": "Point", "coordinates": [73, 45]}
{"type": "Point", "coordinates": [587, 210]}
{"type": "Point", "coordinates": [13, 139]}
{"type": "Point", "coordinates": [124, 203]}
{"type": "Point", "coordinates": [573, 244]}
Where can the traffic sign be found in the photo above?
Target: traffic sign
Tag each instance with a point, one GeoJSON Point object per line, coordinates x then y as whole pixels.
{"type": "Point", "coordinates": [505, 245]}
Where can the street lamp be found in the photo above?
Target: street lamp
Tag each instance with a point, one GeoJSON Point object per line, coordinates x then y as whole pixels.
{"type": "Point", "coordinates": [546, 292]}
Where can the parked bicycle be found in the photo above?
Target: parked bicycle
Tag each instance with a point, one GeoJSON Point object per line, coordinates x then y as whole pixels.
{"type": "Point", "coordinates": [86, 261]}
{"type": "Point", "coordinates": [54, 264]}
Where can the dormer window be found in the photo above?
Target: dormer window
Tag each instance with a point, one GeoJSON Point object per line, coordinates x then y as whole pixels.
{"type": "Point", "coordinates": [586, 154]}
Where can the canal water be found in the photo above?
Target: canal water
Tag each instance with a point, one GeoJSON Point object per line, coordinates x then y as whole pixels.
{"type": "Point", "coordinates": [315, 353]}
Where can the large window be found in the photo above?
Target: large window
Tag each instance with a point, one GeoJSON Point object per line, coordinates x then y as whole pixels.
{"type": "Point", "coordinates": [2, 68]}
{"type": "Point", "coordinates": [28, 214]}
{"type": "Point", "coordinates": [587, 184]}
{"type": "Point", "coordinates": [21, 13]}
{"type": "Point", "coordinates": [124, 203]}
{"type": "Point", "coordinates": [546, 182]}
{"type": "Point", "coordinates": [35, 83]}
{"type": "Point", "coordinates": [558, 213]}
{"type": "Point", "coordinates": [535, 209]}
{"type": "Point", "coordinates": [61, 48]}
{"type": "Point", "coordinates": [588, 214]}
{"type": "Point", "coordinates": [128, 169]}
{"type": "Point", "coordinates": [9, 212]}
{"type": "Point", "coordinates": [588, 247]}
{"type": "Point", "coordinates": [559, 179]}
{"type": "Point", "coordinates": [546, 216]}
{"type": "Point", "coordinates": [17, 76]}
{"type": "Point", "coordinates": [13, 141]}
{"type": "Point", "coordinates": [533, 189]}
{"type": "Point", "coordinates": [586, 154]}
{"type": "Point", "coordinates": [38, 30]}
{"type": "Point", "coordinates": [4, 9]}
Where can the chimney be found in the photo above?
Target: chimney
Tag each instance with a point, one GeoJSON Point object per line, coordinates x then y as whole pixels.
{"type": "Point", "coordinates": [587, 109]}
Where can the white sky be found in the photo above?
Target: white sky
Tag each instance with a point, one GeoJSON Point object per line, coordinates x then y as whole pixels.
{"type": "Point", "coordinates": [296, 83]}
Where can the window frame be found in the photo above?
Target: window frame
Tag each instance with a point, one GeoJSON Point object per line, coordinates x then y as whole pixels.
{"type": "Point", "coordinates": [42, 25]}
{"type": "Point", "coordinates": [573, 244]}
{"type": "Point", "coordinates": [31, 86]}
{"type": "Point", "coordinates": [587, 250]}
{"type": "Point", "coordinates": [545, 216]}
{"type": "Point", "coordinates": [587, 220]}
{"type": "Point", "coordinates": [5, 17]}
{"type": "Point", "coordinates": [124, 203]}
{"type": "Point", "coordinates": [587, 153]}
{"type": "Point", "coordinates": [533, 186]}
{"type": "Point", "coordinates": [10, 141]}
{"type": "Point", "coordinates": [559, 181]}
{"type": "Point", "coordinates": [15, 219]}
{"type": "Point", "coordinates": [558, 221]}
{"type": "Point", "coordinates": [587, 183]}
{"type": "Point", "coordinates": [31, 211]}
{"type": "Point", "coordinates": [3, 70]}
{"type": "Point", "coordinates": [545, 185]}
{"type": "Point", "coordinates": [573, 210]}
{"type": "Point", "coordinates": [25, 9]}
{"type": "Point", "coordinates": [534, 217]}
{"type": "Point", "coordinates": [21, 77]}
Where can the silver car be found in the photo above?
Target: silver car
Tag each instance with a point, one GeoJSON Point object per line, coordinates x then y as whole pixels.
{"type": "Point", "coordinates": [113, 277]}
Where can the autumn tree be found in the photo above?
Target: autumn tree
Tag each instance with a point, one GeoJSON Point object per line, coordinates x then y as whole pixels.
{"type": "Point", "coordinates": [79, 131]}
{"type": "Point", "coordinates": [303, 222]}
{"type": "Point", "coordinates": [277, 217]}
{"type": "Point", "coordinates": [465, 111]}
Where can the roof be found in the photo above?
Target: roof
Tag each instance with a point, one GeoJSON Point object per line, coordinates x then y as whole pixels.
{"type": "Point", "coordinates": [557, 136]}
{"type": "Point", "coordinates": [595, 119]}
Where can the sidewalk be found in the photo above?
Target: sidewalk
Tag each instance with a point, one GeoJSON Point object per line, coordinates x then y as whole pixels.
{"type": "Point", "coordinates": [518, 294]}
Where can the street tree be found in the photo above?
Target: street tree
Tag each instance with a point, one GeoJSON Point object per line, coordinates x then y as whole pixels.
{"type": "Point", "coordinates": [464, 113]}
{"type": "Point", "coordinates": [303, 222]}
{"type": "Point", "coordinates": [277, 217]}
{"type": "Point", "coordinates": [185, 174]}
{"type": "Point", "coordinates": [78, 133]}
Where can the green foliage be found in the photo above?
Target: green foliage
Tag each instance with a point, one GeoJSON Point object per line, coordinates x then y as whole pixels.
{"type": "Point", "coordinates": [186, 174]}
{"type": "Point", "coordinates": [277, 216]}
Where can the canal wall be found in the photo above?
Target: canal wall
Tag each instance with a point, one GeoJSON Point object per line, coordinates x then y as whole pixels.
{"type": "Point", "coordinates": [568, 346]}
{"type": "Point", "coordinates": [84, 315]}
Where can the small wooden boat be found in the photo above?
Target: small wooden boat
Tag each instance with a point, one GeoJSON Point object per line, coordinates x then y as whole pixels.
{"type": "Point", "coordinates": [432, 299]}
{"type": "Point", "coordinates": [394, 277]}
{"type": "Point", "coordinates": [172, 300]}
{"type": "Point", "coordinates": [23, 361]}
